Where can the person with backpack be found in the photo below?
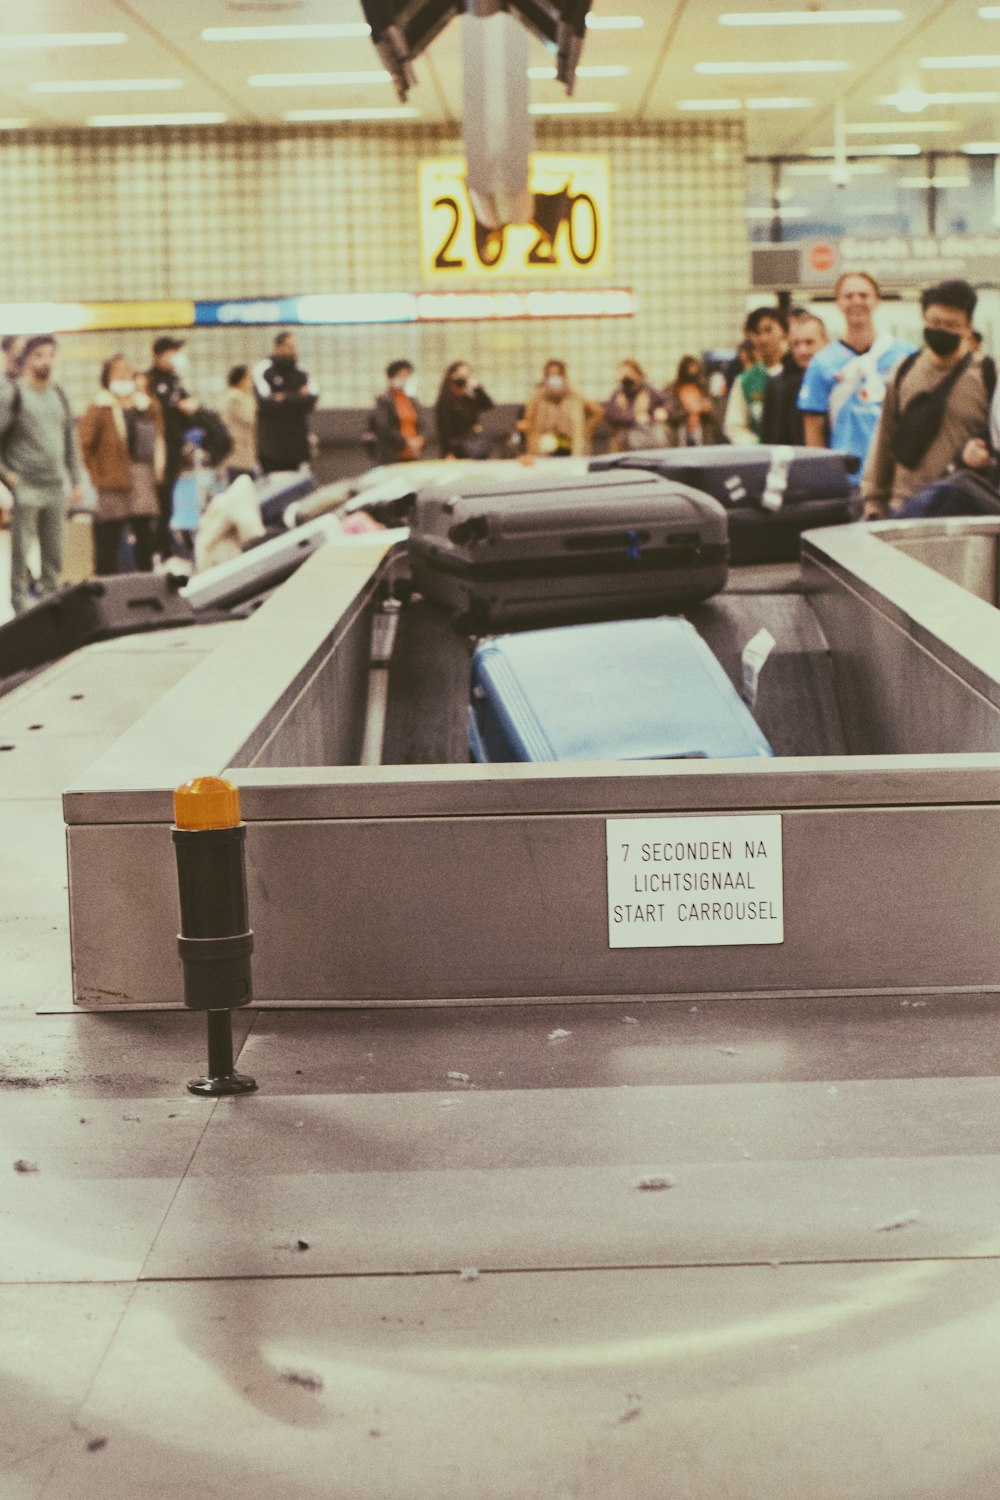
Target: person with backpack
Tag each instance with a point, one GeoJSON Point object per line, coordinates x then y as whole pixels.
{"type": "Point", "coordinates": [936, 401]}
{"type": "Point", "coordinates": [41, 465]}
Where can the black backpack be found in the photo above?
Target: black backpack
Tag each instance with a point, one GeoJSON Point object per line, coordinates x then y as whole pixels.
{"type": "Point", "coordinates": [216, 439]}
{"type": "Point", "coordinates": [919, 422]}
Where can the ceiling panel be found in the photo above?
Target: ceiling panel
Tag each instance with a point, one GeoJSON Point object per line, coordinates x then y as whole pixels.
{"type": "Point", "coordinates": [661, 59]}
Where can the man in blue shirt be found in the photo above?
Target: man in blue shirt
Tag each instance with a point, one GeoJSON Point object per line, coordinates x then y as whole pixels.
{"type": "Point", "coordinates": [844, 386]}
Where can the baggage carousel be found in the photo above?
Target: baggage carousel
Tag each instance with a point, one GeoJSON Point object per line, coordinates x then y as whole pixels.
{"type": "Point", "coordinates": [730, 1247]}
{"type": "Point", "coordinates": [425, 879]}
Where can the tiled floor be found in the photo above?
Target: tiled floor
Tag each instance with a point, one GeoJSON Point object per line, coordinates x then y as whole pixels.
{"type": "Point", "coordinates": [374, 1281]}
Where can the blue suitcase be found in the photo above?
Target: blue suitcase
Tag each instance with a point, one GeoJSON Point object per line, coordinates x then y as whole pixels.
{"type": "Point", "coordinates": [625, 690]}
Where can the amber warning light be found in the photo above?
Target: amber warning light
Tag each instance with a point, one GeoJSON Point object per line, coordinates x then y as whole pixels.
{"type": "Point", "coordinates": [207, 802]}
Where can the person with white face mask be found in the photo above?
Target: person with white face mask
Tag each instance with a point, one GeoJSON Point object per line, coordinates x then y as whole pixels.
{"type": "Point", "coordinates": [558, 421]}
{"type": "Point", "coordinates": [121, 437]}
{"type": "Point", "coordinates": [396, 419]}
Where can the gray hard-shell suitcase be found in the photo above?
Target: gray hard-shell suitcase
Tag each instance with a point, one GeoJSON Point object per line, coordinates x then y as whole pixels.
{"type": "Point", "coordinates": [559, 547]}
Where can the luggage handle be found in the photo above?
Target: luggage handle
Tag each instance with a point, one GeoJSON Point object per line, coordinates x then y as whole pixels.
{"type": "Point", "coordinates": [599, 541]}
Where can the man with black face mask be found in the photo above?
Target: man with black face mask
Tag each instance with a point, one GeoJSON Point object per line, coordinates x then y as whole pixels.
{"type": "Point", "coordinates": [936, 401]}
{"type": "Point", "coordinates": [285, 398]}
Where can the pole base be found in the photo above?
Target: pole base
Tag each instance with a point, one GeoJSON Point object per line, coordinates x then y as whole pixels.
{"type": "Point", "coordinates": [226, 1083]}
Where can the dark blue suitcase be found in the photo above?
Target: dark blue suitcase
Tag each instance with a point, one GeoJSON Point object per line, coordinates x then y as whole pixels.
{"type": "Point", "coordinates": [276, 492]}
{"type": "Point", "coordinates": [625, 690]}
{"type": "Point", "coordinates": [771, 493]}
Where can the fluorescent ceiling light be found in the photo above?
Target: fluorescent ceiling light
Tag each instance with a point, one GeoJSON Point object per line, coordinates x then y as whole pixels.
{"type": "Point", "coordinates": [318, 31]}
{"type": "Point", "coordinates": [779, 213]}
{"type": "Point", "coordinates": [924, 127]}
{"type": "Point", "coordinates": [313, 80]}
{"type": "Point", "coordinates": [982, 148]}
{"type": "Point", "coordinates": [933, 182]}
{"type": "Point", "coordinates": [915, 100]}
{"type": "Point", "coordinates": [809, 17]}
{"type": "Point", "coordinates": [710, 104]}
{"type": "Point", "coordinates": [985, 61]}
{"type": "Point", "coordinates": [389, 112]}
{"type": "Point", "coordinates": [815, 169]}
{"type": "Point", "coordinates": [779, 103]}
{"type": "Point", "coordinates": [614, 23]}
{"type": "Point", "coordinates": [904, 149]}
{"type": "Point", "coordinates": [572, 108]}
{"type": "Point", "coordinates": [586, 70]}
{"type": "Point", "coordinates": [806, 66]}
{"type": "Point", "coordinates": [104, 85]}
{"type": "Point", "coordinates": [205, 117]}
{"type": "Point", "coordinates": [990, 12]}
{"type": "Point", "coordinates": [45, 40]}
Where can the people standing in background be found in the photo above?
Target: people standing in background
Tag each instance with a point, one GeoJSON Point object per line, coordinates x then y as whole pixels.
{"type": "Point", "coordinates": [460, 405]}
{"type": "Point", "coordinates": [558, 421]}
{"type": "Point", "coordinates": [125, 484]}
{"type": "Point", "coordinates": [783, 421]}
{"type": "Point", "coordinates": [690, 411]}
{"type": "Point", "coordinates": [238, 409]}
{"type": "Point", "coordinates": [767, 329]}
{"type": "Point", "coordinates": [11, 346]}
{"type": "Point", "coordinates": [396, 437]}
{"type": "Point", "coordinates": [165, 379]}
{"type": "Point", "coordinates": [935, 413]}
{"type": "Point", "coordinates": [630, 412]}
{"type": "Point", "coordinates": [40, 463]}
{"type": "Point", "coordinates": [285, 397]}
{"type": "Point", "coordinates": [844, 386]}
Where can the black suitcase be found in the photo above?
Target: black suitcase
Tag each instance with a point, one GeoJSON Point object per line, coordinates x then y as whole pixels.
{"type": "Point", "coordinates": [771, 494]}
{"type": "Point", "coordinates": [120, 604]}
{"type": "Point", "coordinates": [560, 547]}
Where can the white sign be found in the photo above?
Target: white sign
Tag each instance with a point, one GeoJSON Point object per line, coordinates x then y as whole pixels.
{"type": "Point", "coordinates": [694, 882]}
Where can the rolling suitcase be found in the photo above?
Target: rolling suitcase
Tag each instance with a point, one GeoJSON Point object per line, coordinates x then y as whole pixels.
{"type": "Point", "coordinates": [262, 566]}
{"type": "Point", "coordinates": [623, 690]}
{"type": "Point", "coordinates": [120, 604]}
{"type": "Point", "coordinates": [771, 493]}
{"type": "Point", "coordinates": [563, 546]}
{"type": "Point", "coordinates": [276, 492]}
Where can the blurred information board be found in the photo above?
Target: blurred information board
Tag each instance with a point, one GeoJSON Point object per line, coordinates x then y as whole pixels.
{"type": "Point", "coordinates": [570, 235]}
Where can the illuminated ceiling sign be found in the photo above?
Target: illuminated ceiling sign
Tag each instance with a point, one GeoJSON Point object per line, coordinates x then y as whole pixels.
{"type": "Point", "coordinates": [81, 317]}
{"type": "Point", "coordinates": [474, 307]}
{"type": "Point", "coordinates": [569, 237]}
{"type": "Point", "coordinates": [329, 309]}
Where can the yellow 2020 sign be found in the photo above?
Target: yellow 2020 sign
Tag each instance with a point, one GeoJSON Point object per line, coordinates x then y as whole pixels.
{"type": "Point", "coordinates": [570, 234]}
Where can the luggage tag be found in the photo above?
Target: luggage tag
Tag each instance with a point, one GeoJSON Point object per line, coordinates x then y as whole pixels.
{"type": "Point", "coordinates": [777, 478]}
{"type": "Point", "coordinates": [755, 653]}
{"type": "Point", "coordinates": [735, 489]}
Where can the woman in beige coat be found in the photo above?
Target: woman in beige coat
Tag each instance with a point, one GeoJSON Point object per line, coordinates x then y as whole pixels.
{"type": "Point", "coordinates": [558, 420]}
{"type": "Point", "coordinates": [121, 438]}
